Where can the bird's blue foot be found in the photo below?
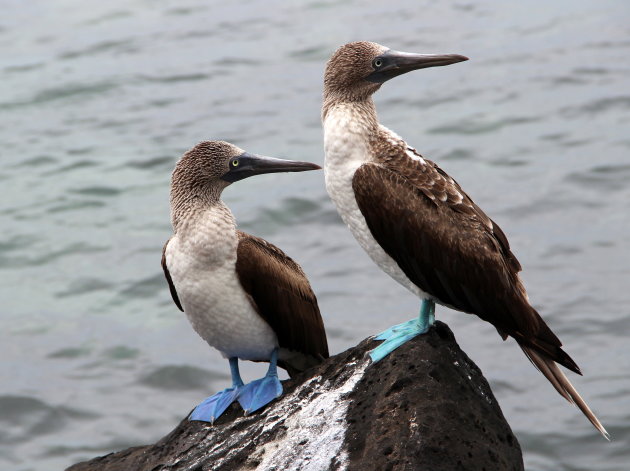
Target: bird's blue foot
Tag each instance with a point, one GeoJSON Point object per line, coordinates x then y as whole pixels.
{"type": "Point", "coordinates": [212, 407]}
{"type": "Point", "coordinates": [261, 392]}
{"type": "Point", "coordinates": [397, 335]}
{"type": "Point", "coordinates": [251, 396]}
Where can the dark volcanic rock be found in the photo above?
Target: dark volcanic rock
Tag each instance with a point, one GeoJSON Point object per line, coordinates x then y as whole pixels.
{"type": "Point", "coordinates": [425, 407]}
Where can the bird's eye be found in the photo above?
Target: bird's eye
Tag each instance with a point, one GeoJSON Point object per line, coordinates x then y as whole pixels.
{"type": "Point", "coordinates": [377, 62]}
{"type": "Point", "coordinates": [235, 163]}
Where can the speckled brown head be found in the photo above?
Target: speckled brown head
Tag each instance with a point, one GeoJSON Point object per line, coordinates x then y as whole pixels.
{"type": "Point", "coordinates": [348, 68]}
{"type": "Point", "coordinates": [205, 170]}
{"type": "Point", "coordinates": [204, 165]}
{"type": "Point", "coordinates": [357, 70]}
{"type": "Point", "coordinates": [219, 163]}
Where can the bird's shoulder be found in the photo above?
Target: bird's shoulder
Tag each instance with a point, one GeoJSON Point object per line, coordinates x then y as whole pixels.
{"type": "Point", "coordinates": [397, 160]}
{"type": "Point", "coordinates": [256, 256]}
{"type": "Point", "coordinates": [395, 155]}
{"type": "Point", "coordinates": [282, 295]}
{"type": "Point", "coordinates": [252, 246]}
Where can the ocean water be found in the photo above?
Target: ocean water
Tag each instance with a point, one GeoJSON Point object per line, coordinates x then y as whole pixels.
{"type": "Point", "coordinates": [99, 99]}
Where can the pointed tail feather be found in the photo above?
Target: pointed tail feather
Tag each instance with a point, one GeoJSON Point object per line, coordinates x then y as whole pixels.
{"type": "Point", "coordinates": [561, 383]}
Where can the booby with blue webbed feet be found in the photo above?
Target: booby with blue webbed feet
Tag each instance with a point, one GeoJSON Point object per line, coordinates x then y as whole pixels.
{"type": "Point", "coordinates": [242, 295]}
{"type": "Point", "coordinates": [417, 223]}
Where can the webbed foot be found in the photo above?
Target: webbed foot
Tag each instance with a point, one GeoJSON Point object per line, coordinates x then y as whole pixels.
{"type": "Point", "coordinates": [397, 335]}
{"type": "Point", "coordinates": [259, 393]}
{"type": "Point", "coordinates": [212, 407]}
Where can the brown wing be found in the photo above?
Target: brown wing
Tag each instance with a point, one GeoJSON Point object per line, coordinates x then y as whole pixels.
{"type": "Point", "coordinates": [171, 286]}
{"type": "Point", "coordinates": [450, 249]}
{"type": "Point", "coordinates": [282, 295]}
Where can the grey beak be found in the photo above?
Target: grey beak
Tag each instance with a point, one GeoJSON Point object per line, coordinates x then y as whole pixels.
{"type": "Point", "coordinates": [248, 165]}
{"type": "Point", "coordinates": [394, 63]}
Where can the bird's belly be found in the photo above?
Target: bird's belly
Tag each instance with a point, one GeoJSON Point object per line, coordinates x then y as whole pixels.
{"type": "Point", "coordinates": [219, 310]}
{"type": "Point", "coordinates": [339, 173]}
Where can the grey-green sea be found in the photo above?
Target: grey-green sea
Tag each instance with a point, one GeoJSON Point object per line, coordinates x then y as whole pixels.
{"type": "Point", "coordinates": [98, 100]}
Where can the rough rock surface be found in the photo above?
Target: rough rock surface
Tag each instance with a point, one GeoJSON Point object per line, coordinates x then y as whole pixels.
{"type": "Point", "coordinates": [424, 407]}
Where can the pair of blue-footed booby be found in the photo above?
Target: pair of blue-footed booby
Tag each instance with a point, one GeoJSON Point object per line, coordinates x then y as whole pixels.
{"type": "Point", "coordinates": [417, 223]}
{"type": "Point", "coordinates": [241, 294]}
{"type": "Point", "coordinates": [249, 300]}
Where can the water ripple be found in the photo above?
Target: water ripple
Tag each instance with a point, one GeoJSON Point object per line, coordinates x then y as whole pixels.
{"type": "Point", "coordinates": [76, 205]}
{"type": "Point", "coordinates": [26, 417]}
{"type": "Point", "coordinates": [176, 78]}
{"type": "Point", "coordinates": [478, 126]}
{"type": "Point", "coordinates": [97, 191]}
{"type": "Point", "coordinates": [84, 286]}
{"type": "Point", "coordinates": [164, 162]}
{"type": "Point", "coordinates": [119, 46]}
{"type": "Point", "coordinates": [18, 243]}
{"type": "Point", "coordinates": [76, 165]}
{"type": "Point", "coordinates": [62, 93]}
{"type": "Point", "coordinates": [181, 377]}
{"type": "Point", "coordinates": [597, 106]}
{"type": "Point", "coordinates": [69, 353]}
{"type": "Point", "coordinates": [29, 261]}
{"type": "Point", "coordinates": [145, 288]}
{"type": "Point", "coordinates": [23, 68]}
{"type": "Point", "coordinates": [604, 177]}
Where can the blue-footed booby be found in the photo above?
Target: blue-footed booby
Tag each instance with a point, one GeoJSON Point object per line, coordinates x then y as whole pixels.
{"type": "Point", "coordinates": [417, 223]}
{"type": "Point", "coordinates": [241, 294]}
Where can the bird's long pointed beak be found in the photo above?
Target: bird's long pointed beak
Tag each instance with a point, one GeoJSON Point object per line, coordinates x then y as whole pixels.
{"type": "Point", "coordinates": [248, 165]}
{"type": "Point", "coordinates": [395, 63]}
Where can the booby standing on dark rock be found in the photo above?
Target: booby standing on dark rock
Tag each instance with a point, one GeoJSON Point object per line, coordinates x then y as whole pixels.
{"type": "Point", "coordinates": [241, 294]}
{"type": "Point", "coordinates": [417, 223]}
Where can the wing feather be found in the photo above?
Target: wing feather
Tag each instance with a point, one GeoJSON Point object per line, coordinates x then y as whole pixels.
{"type": "Point", "coordinates": [167, 274]}
{"type": "Point", "coordinates": [450, 249]}
{"type": "Point", "coordinates": [282, 295]}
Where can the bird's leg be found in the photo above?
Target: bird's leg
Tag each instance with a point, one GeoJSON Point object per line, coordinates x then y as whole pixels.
{"type": "Point", "coordinates": [261, 392]}
{"type": "Point", "coordinates": [397, 335]}
{"type": "Point", "coordinates": [426, 317]}
{"type": "Point", "coordinates": [212, 407]}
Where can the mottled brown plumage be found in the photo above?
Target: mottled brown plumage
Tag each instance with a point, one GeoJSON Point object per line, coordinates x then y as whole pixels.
{"type": "Point", "coordinates": [344, 82]}
{"type": "Point", "coordinates": [454, 255]}
{"type": "Point", "coordinates": [282, 295]}
{"type": "Point", "coordinates": [196, 179]}
{"type": "Point", "coordinates": [208, 260]}
{"type": "Point", "coordinates": [443, 243]}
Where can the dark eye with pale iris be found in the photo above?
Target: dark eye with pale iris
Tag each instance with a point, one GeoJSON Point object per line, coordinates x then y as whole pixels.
{"type": "Point", "coordinates": [235, 163]}
{"type": "Point", "coordinates": [377, 63]}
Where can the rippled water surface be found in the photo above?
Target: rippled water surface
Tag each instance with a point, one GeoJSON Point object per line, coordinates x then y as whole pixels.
{"type": "Point", "coordinates": [99, 99]}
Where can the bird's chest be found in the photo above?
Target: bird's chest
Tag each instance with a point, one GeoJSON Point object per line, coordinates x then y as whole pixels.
{"type": "Point", "coordinates": [347, 148]}
{"type": "Point", "coordinates": [203, 269]}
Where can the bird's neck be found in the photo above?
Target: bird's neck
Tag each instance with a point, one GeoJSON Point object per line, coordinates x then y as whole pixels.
{"type": "Point", "coordinates": [206, 231]}
{"type": "Point", "coordinates": [193, 209]}
{"type": "Point", "coordinates": [362, 110]}
{"type": "Point", "coordinates": [350, 128]}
